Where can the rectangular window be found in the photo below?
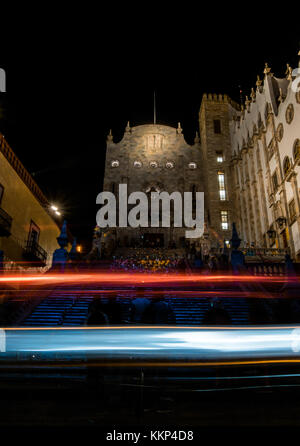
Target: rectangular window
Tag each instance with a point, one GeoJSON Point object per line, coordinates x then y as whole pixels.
{"type": "Point", "coordinates": [224, 220]}
{"type": "Point", "coordinates": [217, 126]}
{"type": "Point", "coordinates": [275, 181]}
{"type": "Point", "coordinates": [1, 192]}
{"type": "Point", "coordinates": [292, 211]}
{"type": "Point", "coordinates": [221, 181]}
{"type": "Point", "coordinates": [220, 157]}
{"type": "Point", "coordinates": [34, 234]}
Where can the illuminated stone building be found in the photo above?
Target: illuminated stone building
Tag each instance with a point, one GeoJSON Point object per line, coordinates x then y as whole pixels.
{"type": "Point", "coordinates": [265, 144]}
{"type": "Point", "coordinates": [28, 232]}
{"type": "Point", "coordinates": [246, 160]}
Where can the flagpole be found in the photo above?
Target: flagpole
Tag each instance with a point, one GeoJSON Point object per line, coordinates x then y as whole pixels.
{"type": "Point", "coordinates": [154, 108]}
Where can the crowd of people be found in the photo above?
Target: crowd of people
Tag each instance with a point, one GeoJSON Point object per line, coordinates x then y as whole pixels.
{"type": "Point", "coordinates": [141, 310]}
{"type": "Point", "coordinates": [141, 260]}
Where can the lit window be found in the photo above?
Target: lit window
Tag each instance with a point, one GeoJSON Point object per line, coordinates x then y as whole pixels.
{"type": "Point", "coordinates": [224, 220]}
{"type": "Point", "coordinates": [221, 181]}
{"type": "Point", "coordinates": [220, 157]}
{"type": "Point", "coordinates": [169, 165]}
{"type": "Point", "coordinates": [137, 164]}
{"type": "Point", "coordinates": [227, 243]}
{"type": "Point", "coordinates": [192, 166]}
{"type": "Point", "coordinates": [115, 163]}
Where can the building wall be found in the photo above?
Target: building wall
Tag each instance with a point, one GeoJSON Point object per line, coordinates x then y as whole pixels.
{"type": "Point", "coordinates": [263, 136]}
{"type": "Point", "coordinates": [216, 145]}
{"type": "Point", "coordinates": [23, 206]}
{"type": "Point", "coordinates": [142, 160]}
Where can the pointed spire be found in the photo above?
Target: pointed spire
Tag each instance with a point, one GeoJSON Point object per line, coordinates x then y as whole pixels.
{"type": "Point", "coordinates": [110, 136]}
{"type": "Point", "coordinates": [179, 129]}
{"type": "Point", "coordinates": [288, 72]}
{"type": "Point", "coordinates": [127, 129]}
{"type": "Point", "coordinates": [197, 139]}
{"type": "Point", "coordinates": [235, 240]}
{"type": "Point", "coordinates": [62, 240]}
{"type": "Point", "coordinates": [267, 69]}
{"type": "Point", "coordinates": [281, 97]}
{"type": "Point", "coordinates": [253, 95]}
{"type": "Point", "coordinates": [247, 103]}
{"type": "Point", "coordinates": [258, 81]}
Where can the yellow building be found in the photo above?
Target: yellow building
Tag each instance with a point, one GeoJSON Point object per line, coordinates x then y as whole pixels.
{"type": "Point", "coordinates": [28, 232]}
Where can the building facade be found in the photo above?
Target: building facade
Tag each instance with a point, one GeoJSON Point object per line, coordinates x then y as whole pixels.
{"type": "Point", "coordinates": [28, 232]}
{"type": "Point", "coordinates": [152, 158]}
{"type": "Point", "coordinates": [265, 143]}
{"type": "Point", "coordinates": [246, 161]}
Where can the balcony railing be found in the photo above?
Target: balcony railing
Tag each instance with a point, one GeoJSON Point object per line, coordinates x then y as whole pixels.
{"type": "Point", "coordinates": [33, 252]}
{"type": "Point", "coordinates": [5, 223]}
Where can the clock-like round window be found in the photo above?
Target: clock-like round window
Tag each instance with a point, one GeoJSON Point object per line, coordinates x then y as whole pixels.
{"type": "Point", "coordinates": [137, 164]}
{"type": "Point", "coordinates": [289, 114]}
{"type": "Point", "coordinates": [115, 163]}
{"type": "Point", "coordinates": [169, 165]}
{"type": "Point", "coordinates": [192, 166]}
{"type": "Point", "coordinates": [279, 132]}
{"type": "Point", "coordinates": [153, 164]}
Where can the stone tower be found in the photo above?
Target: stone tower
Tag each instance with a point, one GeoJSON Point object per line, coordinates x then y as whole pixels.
{"type": "Point", "coordinates": [214, 117]}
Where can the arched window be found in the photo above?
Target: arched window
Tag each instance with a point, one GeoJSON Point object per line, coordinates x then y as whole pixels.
{"type": "Point", "coordinates": [296, 150]}
{"type": "Point", "coordinates": [286, 165]}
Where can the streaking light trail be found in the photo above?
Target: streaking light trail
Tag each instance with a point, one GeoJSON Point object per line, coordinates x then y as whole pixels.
{"type": "Point", "coordinates": [140, 279]}
{"type": "Point", "coordinates": [146, 346]}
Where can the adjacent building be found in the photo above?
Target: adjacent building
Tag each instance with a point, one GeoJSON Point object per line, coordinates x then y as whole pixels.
{"type": "Point", "coordinates": [28, 231]}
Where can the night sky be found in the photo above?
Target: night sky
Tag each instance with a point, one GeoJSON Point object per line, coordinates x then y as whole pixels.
{"type": "Point", "coordinates": [82, 73]}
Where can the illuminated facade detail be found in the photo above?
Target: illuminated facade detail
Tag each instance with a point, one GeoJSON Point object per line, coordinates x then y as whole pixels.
{"type": "Point", "coordinates": [137, 164]}
{"type": "Point", "coordinates": [224, 220]}
{"type": "Point", "coordinates": [115, 163]}
{"type": "Point", "coordinates": [267, 167]}
{"type": "Point", "coordinates": [221, 182]}
{"type": "Point", "coordinates": [192, 166]}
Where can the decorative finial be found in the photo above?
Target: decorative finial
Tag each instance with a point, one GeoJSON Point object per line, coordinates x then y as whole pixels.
{"type": "Point", "coordinates": [267, 69]}
{"type": "Point", "coordinates": [110, 136]}
{"type": "Point", "coordinates": [127, 127]}
{"type": "Point", "coordinates": [179, 129]}
{"type": "Point", "coordinates": [197, 139]}
{"type": "Point", "coordinates": [247, 103]}
{"type": "Point", "coordinates": [63, 237]}
{"type": "Point", "coordinates": [258, 81]}
{"type": "Point", "coordinates": [253, 94]}
{"type": "Point", "coordinates": [281, 97]}
{"type": "Point", "coordinates": [288, 72]}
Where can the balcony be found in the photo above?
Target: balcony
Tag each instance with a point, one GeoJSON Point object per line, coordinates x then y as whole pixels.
{"type": "Point", "coordinates": [5, 223]}
{"type": "Point", "coordinates": [35, 254]}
